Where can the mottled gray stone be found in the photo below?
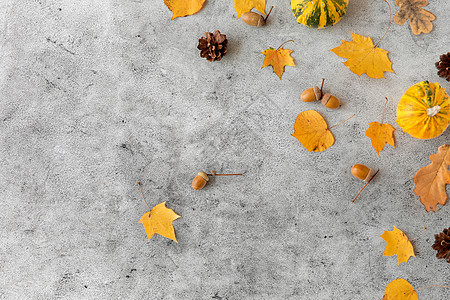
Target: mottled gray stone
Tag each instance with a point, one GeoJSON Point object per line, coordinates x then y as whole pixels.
{"type": "Point", "coordinates": [96, 95]}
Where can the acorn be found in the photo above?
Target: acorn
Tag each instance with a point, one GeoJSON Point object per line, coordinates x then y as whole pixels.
{"type": "Point", "coordinates": [311, 94]}
{"type": "Point", "coordinates": [200, 181]}
{"type": "Point", "coordinates": [314, 93]}
{"type": "Point", "coordinates": [330, 101]}
{"type": "Point", "coordinates": [254, 19]}
{"type": "Point", "coordinates": [362, 172]}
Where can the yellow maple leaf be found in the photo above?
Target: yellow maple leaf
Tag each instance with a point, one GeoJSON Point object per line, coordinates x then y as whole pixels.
{"type": "Point", "coordinates": [380, 134]}
{"type": "Point", "coordinates": [243, 6]}
{"type": "Point", "coordinates": [182, 8]}
{"type": "Point", "coordinates": [431, 180]}
{"type": "Point", "coordinates": [364, 57]}
{"type": "Point", "coordinates": [278, 59]}
{"type": "Point", "coordinates": [397, 243]}
{"type": "Point", "coordinates": [159, 220]}
{"type": "Point", "coordinates": [312, 131]}
{"type": "Point", "coordinates": [400, 289]}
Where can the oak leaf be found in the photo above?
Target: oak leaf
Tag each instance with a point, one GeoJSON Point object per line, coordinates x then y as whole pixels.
{"type": "Point", "coordinates": [159, 220]}
{"type": "Point", "coordinates": [243, 6]}
{"type": "Point", "coordinates": [419, 18]}
{"type": "Point", "coordinates": [400, 289]}
{"type": "Point", "coordinates": [278, 59]}
{"type": "Point", "coordinates": [182, 8]}
{"type": "Point", "coordinates": [397, 243]}
{"type": "Point", "coordinates": [312, 131]}
{"type": "Point", "coordinates": [364, 57]}
{"type": "Point", "coordinates": [380, 134]}
{"type": "Point", "coordinates": [431, 180]}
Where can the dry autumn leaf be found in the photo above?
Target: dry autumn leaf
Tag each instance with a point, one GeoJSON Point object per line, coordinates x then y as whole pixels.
{"type": "Point", "coordinates": [243, 6]}
{"type": "Point", "coordinates": [397, 243]}
{"type": "Point", "coordinates": [312, 131]}
{"type": "Point", "coordinates": [400, 289]}
{"type": "Point", "coordinates": [182, 8]}
{"type": "Point", "coordinates": [419, 18]}
{"type": "Point", "coordinates": [278, 59]}
{"type": "Point", "coordinates": [431, 180]}
{"type": "Point", "coordinates": [364, 57]}
{"type": "Point", "coordinates": [159, 220]}
{"type": "Point", "coordinates": [380, 134]}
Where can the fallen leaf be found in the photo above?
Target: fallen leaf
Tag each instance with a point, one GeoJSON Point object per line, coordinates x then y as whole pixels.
{"type": "Point", "coordinates": [278, 59]}
{"type": "Point", "coordinates": [380, 134]}
{"type": "Point", "coordinates": [419, 18]}
{"type": "Point", "coordinates": [364, 57]}
{"type": "Point", "coordinates": [182, 8]}
{"type": "Point", "coordinates": [159, 220]}
{"type": "Point", "coordinates": [243, 6]}
{"type": "Point", "coordinates": [397, 243]}
{"type": "Point", "coordinates": [431, 180]}
{"type": "Point", "coordinates": [312, 131]}
{"type": "Point", "coordinates": [400, 289]}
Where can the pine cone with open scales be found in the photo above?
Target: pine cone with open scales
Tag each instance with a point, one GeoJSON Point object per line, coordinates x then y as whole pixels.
{"type": "Point", "coordinates": [214, 46]}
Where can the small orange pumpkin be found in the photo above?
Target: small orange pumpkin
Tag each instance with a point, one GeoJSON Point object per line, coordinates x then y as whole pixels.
{"type": "Point", "coordinates": [424, 110]}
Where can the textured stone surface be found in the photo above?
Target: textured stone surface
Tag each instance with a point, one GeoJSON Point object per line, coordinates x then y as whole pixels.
{"type": "Point", "coordinates": [96, 95]}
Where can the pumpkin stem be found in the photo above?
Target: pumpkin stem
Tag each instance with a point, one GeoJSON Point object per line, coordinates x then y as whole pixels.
{"type": "Point", "coordinates": [432, 111]}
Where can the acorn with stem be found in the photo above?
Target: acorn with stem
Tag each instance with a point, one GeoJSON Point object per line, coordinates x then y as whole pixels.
{"type": "Point", "coordinates": [363, 173]}
{"type": "Point", "coordinates": [202, 179]}
{"type": "Point", "coordinates": [255, 19]}
{"type": "Point", "coordinates": [314, 93]}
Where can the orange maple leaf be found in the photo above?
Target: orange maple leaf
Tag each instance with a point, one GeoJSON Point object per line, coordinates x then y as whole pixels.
{"type": "Point", "coordinates": [278, 59]}
{"type": "Point", "coordinates": [400, 289]}
{"type": "Point", "coordinates": [312, 131]}
{"type": "Point", "coordinates": [159, 220]}
{"type": "Point", "coordinates": [364, 57]}
{"type": "Point", "coordinates": [397, 243]}
{"type": "Point", "coordinates": [243, 6]}
{"type": "Point", "coordinates": [431, 180]}
{"type": "Point", "coordinates": [182, 8]}
{"type": "Point", "coordinates": [380, 134]}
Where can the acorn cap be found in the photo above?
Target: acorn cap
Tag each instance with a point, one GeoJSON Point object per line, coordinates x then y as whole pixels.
{"type": "Point", "coordinates": [317, 92]}
{"type": "Point", "coordinates": [203, 175]}
{"type": "Point", "coordinates": [325, 98]}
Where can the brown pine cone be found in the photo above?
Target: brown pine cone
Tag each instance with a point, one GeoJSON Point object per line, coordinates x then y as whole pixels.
{"type": "Point", "coordinates": [443, 66]}
{"type": "Point", "coordinates": [214, 46]}
{"type": "Point", "coordinates": [442, 245]}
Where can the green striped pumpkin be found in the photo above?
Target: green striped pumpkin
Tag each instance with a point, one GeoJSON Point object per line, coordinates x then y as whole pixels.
{"type": "Point", "coordinates": [319, 13]}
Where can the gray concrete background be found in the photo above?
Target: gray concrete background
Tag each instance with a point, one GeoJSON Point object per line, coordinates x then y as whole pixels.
{"type": "Point", "coordinates": [96, 95]}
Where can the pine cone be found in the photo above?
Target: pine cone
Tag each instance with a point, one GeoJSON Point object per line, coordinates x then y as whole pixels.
{"type": "Point", "coordinates": [214, 46]}
{"type": "Point", "coordinates": [442, 245]}
{"type": "Point", "coordinates": [444, 66]}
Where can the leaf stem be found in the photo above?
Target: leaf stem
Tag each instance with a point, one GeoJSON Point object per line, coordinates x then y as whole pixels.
{"type": "Point", "coordinates": [365, 185]}
{"type": "Point", "coordinates": [434, 285]}
{"type": "Point", "coordinates": [265, 19]}
{"type": "Point", "coordinates": [285, 43]}
{"type": "Point", "coordinates": [140, 190]}
{"type": "Point", "coordinates": [384, 109]}
{"type": "Point", "coordinates": [342, 121]}
{"type": "Point", "coordinates": [390, 22]}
